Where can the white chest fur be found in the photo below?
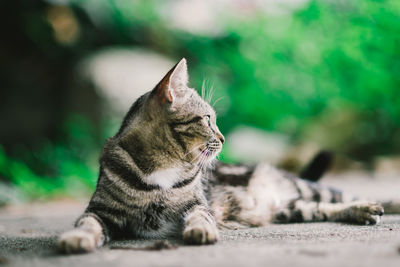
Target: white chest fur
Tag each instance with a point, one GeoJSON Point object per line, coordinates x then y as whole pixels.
{"type": "Point", "coordinates": [164, 178]}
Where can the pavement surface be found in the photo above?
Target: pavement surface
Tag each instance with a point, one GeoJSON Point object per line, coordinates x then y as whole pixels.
{"type": "Point", "coordinates": [28, 234]}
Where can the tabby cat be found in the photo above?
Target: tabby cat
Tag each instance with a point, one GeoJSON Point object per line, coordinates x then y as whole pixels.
{"type": "Point", "coordinates": [155, 180]}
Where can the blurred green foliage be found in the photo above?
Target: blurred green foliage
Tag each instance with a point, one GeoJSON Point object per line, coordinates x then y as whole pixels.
{"type": "Point", "coordinates": [301, 74]}
{"type": "Point", "coordinates": [66, 167]}
{"type": "Point", "coordinates": [328, 73]}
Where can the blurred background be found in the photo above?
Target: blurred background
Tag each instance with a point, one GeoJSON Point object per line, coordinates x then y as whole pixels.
{"type": "Point", "coordinates": [287, 78]}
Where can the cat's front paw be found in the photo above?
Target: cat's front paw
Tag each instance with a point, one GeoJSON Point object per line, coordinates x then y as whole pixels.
{"type": "Point", "coordinates": [76, 241]}
{"type": "Point", "coordinates": [366, 213]}
{"type": "Point", "coordinates": [200, 235]}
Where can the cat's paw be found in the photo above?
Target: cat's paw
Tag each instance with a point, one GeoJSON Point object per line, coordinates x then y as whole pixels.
{"type": "Point", "coordinates": [366, 213]}
{"type": "Point", "coordinates": [200, 234]}
{"type": "Point", "coordinates": [76, 241]}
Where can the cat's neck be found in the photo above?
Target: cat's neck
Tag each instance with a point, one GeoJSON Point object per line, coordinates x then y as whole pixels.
{"type": "Point", "coordinates": [149, 152]}
{"type": "Point", "coordinates": [157, 165]}
{"type": "Point", "coordinates": [174, 177]}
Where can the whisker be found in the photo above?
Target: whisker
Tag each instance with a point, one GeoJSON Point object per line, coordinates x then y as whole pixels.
{"type": "Point", "coordinates": [195, 158]}
{"type": "Point", "coordinates": [216, 101]}
{"type": "Point", "coordinates": [203, 157]}
{"type": "Point", "coordinates": [203, 89]}
{"type": "Point", "coordinates": [196, 147]}
{"type": "Point", "coordinates": [200, 154]}
{"type": "Point", "coordinates": [211, 94]}
{"type": "Point", "coordinates": [194, 170]}
{"type": "Point", "coordinates": [202, 164]}
{"type": "Point", "coordinates": [208, 93]}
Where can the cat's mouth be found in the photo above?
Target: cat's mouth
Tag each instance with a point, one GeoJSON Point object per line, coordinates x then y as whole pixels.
{"type": "Point", "coordinates": [214, 147]}
{"type": "Point", "coordinates": [208, 151]}
{"type": "Point", "coordinates": [204, 153]}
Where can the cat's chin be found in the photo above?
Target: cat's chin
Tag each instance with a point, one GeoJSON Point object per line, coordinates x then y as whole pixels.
{"type": "Point", "coordinates": [205, 157]}
{"type": "Point", "coordinates": [208, 156]}
{"type": "Point", "coordinates": [214, 153]}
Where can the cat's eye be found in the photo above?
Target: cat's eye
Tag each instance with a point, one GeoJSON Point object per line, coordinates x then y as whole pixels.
{"type": "Point", "coordinates": [208, 118]}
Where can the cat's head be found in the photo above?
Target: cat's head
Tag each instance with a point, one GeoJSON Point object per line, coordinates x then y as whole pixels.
{"type": "Point", "coordinates": [178, 122]}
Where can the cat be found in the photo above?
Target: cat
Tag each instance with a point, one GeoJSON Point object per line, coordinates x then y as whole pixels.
{"type": "Point", "coordinates": [157, 180]}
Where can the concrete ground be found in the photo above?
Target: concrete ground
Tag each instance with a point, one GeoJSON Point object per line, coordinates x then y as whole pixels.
{"type": "Point", "coordinates": [28, 234]}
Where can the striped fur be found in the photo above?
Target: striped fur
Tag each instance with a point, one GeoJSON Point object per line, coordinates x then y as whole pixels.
{"type": "Point", "coordinates": [155, 180]}
{"type": "Point", "coordinates": [267, 195]}
{"type": "Point", "coordinates": [150, 182]}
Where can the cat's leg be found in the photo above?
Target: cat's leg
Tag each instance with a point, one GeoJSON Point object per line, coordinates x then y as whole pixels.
{"type": "Point", "coordinates": [200, 227]}
{"type": "Point", "coordinates": [89, 234]}
{"type": "Point", "coordinates": [356, 212]}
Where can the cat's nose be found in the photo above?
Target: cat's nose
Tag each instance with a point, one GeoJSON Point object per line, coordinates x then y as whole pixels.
{"type": "Point", "coordinates": [221, 138]}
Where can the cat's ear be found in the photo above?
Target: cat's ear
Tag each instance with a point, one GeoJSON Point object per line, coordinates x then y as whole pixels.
{"type": "Point", "coordinates": [173, 83]}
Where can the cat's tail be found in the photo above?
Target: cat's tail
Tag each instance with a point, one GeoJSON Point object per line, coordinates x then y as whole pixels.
{"type": "Point", "coordinates": [391, 207]}
{"type": "Point", "coordinates": [317, 166]}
